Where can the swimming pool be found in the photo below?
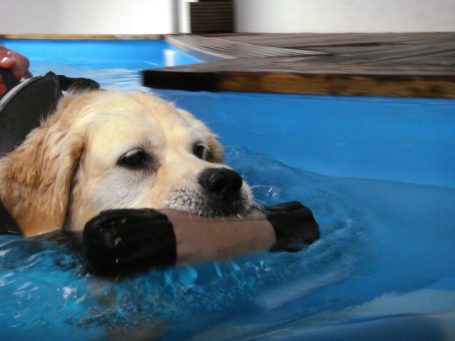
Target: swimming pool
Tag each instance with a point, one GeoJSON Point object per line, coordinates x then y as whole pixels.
{"type": "Point", "coordinates": [377, 172]}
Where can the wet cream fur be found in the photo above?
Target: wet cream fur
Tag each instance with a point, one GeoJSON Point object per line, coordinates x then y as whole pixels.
{"type": "Point", "coordinates": [66, 171]}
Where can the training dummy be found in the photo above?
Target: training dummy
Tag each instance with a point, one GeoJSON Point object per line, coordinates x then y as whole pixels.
{"type": "Point", "coordinates": [119, 242]}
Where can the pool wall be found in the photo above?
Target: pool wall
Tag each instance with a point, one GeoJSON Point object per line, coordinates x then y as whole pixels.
{"type": "Point", "coordinates": [398, 139]}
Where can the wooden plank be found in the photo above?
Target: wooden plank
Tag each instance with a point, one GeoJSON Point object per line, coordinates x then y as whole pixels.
{"type": "Point", "coordinates": [336, 84]}
{"type": "Point", "coordinates": [309, 40]}
{"type": "Point", "coordinates": [312, 65]}
{"type": "Point", "coordinates": [305, 83]}
{"type": "Point", "coordinates": [222, 49]}
{"type": "Point", "coordinates": [404, 65]}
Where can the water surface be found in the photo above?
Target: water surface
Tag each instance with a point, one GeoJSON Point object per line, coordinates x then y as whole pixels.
{"type": "Point", "coordinates": [383, 268]}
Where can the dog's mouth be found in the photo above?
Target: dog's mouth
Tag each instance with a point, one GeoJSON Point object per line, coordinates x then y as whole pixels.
{"type": "Point", "coordinates": [206, 205]}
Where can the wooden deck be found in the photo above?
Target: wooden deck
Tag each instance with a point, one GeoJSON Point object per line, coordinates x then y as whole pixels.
{"type": "Point", "coordinates": [402, 65]}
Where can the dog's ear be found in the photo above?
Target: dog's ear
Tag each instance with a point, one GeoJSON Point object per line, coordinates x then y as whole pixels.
{"type": "Point", "coordinates": [36, 178]}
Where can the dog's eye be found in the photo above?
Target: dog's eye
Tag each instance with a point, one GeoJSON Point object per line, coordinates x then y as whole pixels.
{"type": "Point", "coordinates": [201, 151]}
{"type": "Point", "coordinates": [135, 159]}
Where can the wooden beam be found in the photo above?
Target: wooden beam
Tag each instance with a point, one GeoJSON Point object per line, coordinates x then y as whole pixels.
{"type": "Point", "coordinates": [301, 83]}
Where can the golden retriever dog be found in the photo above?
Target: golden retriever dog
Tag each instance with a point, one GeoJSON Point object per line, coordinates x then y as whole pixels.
{"type": "Point", "coordinates": [104, 150]}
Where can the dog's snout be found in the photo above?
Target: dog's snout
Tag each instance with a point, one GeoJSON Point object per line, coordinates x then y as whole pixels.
{"type": "Point", "coordinates": [222, 181]}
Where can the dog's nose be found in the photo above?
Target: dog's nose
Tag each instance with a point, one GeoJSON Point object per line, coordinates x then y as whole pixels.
{"type": "Point", "coordinates": [221, 181]}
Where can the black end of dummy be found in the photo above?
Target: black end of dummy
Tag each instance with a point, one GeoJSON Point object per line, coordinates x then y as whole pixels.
{"type": "Point", "coordinates": [294, 226]}
{"type": "Point", "coordinates": [127, 241]}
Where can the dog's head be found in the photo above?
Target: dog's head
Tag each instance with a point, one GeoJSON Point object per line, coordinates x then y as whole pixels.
{"type": "Point", "coordinates": [103, 150]}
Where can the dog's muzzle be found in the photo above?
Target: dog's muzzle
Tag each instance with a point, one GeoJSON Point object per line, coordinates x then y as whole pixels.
{"type": "Point", "coordinates": [217, 192]}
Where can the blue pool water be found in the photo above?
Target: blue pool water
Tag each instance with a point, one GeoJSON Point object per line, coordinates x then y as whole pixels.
{"type": "Point", "coordinates": [384, 267]}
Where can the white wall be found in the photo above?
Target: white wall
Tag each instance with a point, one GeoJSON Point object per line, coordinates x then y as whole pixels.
{"type": "Point", "coordinates": [345, 15]}
{"type": "Point", "coordinates": [159, 16]}
{"type": "Point", "coordinates": [87, 16]}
